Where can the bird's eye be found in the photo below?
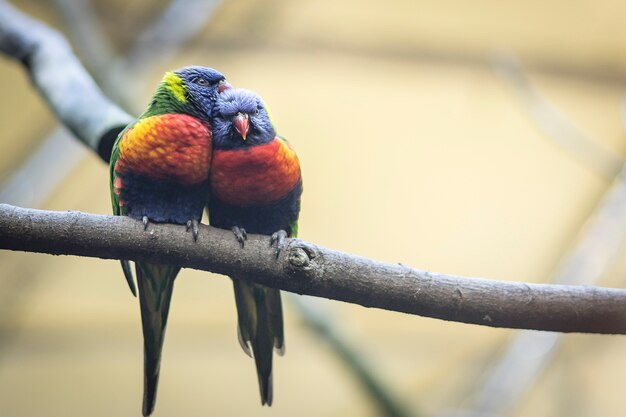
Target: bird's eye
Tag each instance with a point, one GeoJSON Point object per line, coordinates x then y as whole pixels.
{"type": "Point", "coordinates": [201, 81]}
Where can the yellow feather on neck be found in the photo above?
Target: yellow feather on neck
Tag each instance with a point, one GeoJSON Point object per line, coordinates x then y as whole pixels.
{"type": "Point", "coordinates": [175, 84]}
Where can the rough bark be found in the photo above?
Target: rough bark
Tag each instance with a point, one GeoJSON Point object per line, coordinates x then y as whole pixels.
{"type": "Point", "coordinates": [309, 269]}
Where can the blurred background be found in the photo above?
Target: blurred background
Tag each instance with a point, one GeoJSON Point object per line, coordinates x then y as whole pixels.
{"type": "Point", "coordinates": [478, 139]}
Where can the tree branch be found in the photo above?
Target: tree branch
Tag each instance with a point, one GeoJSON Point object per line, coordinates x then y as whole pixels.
{"type": "Point", "coordinates": [305, 268]}
{"type": "Point", "coordinates": [60, 78]}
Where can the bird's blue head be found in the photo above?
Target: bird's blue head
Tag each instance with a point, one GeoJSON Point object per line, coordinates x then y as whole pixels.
{"type": "Point", "coordinates": [190, 90]}
{"type": "Point", "coordinates": [241, 120]}
{"type": "Point", "coordinates": [202, 86]}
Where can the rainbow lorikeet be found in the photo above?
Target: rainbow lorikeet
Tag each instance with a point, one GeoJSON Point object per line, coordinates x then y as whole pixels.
{"type": "Point", "coordinates": [159, 173]}
{"type": "Point", "coordinates": [255, 187]}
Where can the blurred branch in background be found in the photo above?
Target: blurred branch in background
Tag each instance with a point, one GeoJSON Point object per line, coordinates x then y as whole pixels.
{"type": "Point", "coordinates": [87, 35]}
{"type": "Point", "coordinates": [552, 122]}
{"type": "Point", "coordinates": [47, 55]}
{"type": "Point", "coordinates": [622, 112]}
{"type": "Point", "coordinates": [181, 21]}
{"type": "Point", "coordinates": [319, 320]}
{"type": "Point", "coordinates": [599, 242]}
{"type": "Point", "coordinates": [304, 268]}
{"type": "Point", "coordinates": [47, 167]}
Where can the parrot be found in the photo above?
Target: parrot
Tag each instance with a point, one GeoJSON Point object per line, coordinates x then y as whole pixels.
{"type": "Point", "coordinates": [255, 187]}
{"type": "Point", "coordinates": [159, 172]}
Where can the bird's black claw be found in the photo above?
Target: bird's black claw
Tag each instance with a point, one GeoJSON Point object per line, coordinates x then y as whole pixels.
{"type": "Point", "coordinates": [278, 238]}
{"type": "Point", "coordinates": [145, 221]}
{"type": "Point", "coordinates": [194, 225]}
{"type": "Point", "coordinates": [240, 234]}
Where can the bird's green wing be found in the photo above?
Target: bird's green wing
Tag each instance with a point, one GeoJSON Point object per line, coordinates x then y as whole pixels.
{"type": "Point", "coordinates": [118, 210]}
{"type": "Point", "coordinates": [293, 229]}
{"type": "Point", "coordinates": [115, 155]}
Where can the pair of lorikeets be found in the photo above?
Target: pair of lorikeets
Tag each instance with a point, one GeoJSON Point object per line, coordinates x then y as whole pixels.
{"type": "Point", "coordinates": [201, 143]}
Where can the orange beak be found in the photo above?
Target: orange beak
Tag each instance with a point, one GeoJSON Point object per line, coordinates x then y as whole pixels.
{"type": "Point", "coordinates": [242, 124]}
{"type": "Point", "coordinates": [223, 86]}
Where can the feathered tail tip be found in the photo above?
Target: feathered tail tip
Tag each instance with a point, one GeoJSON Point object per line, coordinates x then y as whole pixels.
{"type": "Point", "coordinates": [149, 394]}
{"type": "Point", "coordinates": [279, 346]}
{"type": "Point", "coordinates": [245, 344]}
{"type": "Point", "coordinates": [267, 390]}
{"type": "Point", "coordinates": [129, 277]}
{"type": "Point", "coordinates": [266, 386]}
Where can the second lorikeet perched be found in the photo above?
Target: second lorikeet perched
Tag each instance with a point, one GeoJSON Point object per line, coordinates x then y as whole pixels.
{"type": "Point", "coordinates": [255, 187]}
{"type": "Point", "coordinates": [159, 173]}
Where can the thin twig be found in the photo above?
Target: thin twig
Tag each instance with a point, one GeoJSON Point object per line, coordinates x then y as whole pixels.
{"type": "Point", "coordinates": [86, 34]}
{"type": "Point", "coordinates": [180, 21]}
{"type": "Point", "coordinates": [552, 122]}
{"type": "Point", "coordinates": [322, 323]}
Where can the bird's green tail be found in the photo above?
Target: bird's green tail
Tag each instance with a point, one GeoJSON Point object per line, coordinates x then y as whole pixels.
{"type": "Point", "coordinates": [156, 283]}
{"type": "Point", "coordinates": [260, 328]}
{"type": "Point", "coordinates": [129, 277]}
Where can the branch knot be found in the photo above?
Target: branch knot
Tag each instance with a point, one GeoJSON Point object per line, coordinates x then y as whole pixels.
{"type": "Point", "coordinates": [301, 255]}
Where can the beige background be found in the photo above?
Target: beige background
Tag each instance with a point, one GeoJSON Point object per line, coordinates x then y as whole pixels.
{"type": "Point", "coordinates": [413, 150]}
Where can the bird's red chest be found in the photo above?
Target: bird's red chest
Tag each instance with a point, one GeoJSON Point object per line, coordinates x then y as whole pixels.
{"type": "Point", "coordinates": [173, 147]}
{"type": "Point", "coordinates": [256, 175]}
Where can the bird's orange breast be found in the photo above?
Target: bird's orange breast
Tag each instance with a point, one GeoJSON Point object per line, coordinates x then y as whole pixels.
{"type": "Point", "coordinates": [255, 175]}
{"type": "Point", "coordinates": [173, 147]}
